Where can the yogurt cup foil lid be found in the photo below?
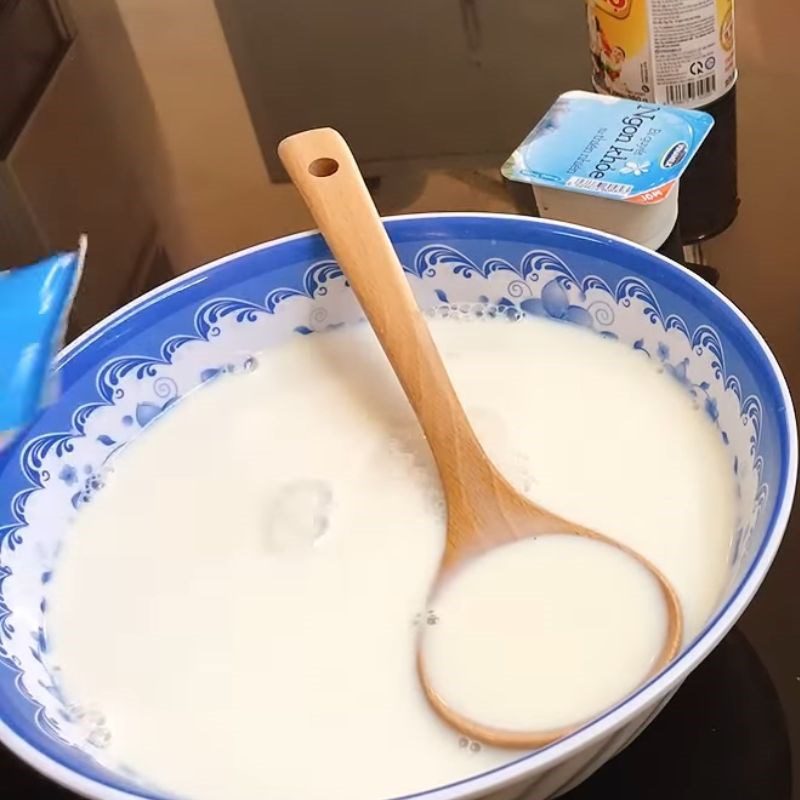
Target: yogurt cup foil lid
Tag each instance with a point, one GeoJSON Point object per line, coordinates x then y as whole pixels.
{"type": "Point", "coordinates": [609, 147]}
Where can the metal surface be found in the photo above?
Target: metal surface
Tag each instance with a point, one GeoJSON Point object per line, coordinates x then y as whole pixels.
{"type": "Point", "coordinates": [436, 83]}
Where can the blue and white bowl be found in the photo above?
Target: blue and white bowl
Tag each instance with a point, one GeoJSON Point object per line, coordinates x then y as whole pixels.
{"type": "Point", "coordinates": [133, 366]}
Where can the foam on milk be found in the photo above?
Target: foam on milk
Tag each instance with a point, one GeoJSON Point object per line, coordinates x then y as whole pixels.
{"type": "Point", "coordinates": [242, 599]}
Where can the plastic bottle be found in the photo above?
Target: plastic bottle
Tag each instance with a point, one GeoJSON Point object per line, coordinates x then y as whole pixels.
{"type": "Point", "coordinates": [677, 52]}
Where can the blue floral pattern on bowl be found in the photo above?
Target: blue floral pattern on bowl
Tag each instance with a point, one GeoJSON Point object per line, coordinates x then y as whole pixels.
{"type": "Point", "coordinates": [170, 344]}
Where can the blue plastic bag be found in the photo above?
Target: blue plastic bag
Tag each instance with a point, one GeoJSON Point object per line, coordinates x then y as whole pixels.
{"type": "Point", "coordinates": [34, 307]}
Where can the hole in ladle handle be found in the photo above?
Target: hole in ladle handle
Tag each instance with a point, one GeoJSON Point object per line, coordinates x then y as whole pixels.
{"type": "Point", "coordinates": [323, 167]}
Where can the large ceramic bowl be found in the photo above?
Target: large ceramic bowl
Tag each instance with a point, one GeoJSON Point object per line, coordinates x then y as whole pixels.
{"type": "Point", "coordinates": [133, 366]}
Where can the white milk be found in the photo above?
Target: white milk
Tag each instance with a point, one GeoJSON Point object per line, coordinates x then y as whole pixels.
{"type": "Point", "coordinates": [543, 633]}
{"type": "Point", "coordinates": [242, 599]}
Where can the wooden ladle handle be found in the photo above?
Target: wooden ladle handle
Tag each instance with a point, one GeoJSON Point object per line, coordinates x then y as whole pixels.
{"type": "Point", "coordinates": [325, 173]}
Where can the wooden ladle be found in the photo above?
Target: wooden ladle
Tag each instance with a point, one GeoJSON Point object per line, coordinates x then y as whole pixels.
{"type": "Point", "coordinates": [483, 510]}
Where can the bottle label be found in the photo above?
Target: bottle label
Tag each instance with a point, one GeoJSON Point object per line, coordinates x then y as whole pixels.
{"type": "Point", "coordinates": [679, 52]}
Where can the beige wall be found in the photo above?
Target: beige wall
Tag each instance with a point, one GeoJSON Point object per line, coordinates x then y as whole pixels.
{"type": "Point", "coordinates": [130, 112]}
{"type": "Point", "coordinates": [214, 188]}
{"type": "Point", "coordinates": [221, 192]}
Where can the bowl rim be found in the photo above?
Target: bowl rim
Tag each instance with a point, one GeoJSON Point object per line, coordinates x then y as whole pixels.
{"type": "Point", "coordinates": [645, 696]}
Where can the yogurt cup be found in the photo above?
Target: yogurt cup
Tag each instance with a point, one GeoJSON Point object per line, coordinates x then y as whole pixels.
{"type": "Point", "coordinates": [610, 163]}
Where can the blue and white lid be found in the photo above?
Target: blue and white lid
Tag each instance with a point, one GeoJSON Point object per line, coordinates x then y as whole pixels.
{"type": "Point", "coordinates": [609, 147]}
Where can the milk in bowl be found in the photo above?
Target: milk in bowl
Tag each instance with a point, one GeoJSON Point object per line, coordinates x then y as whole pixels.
{"type": "Point", "coordinates": [248, 520]}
